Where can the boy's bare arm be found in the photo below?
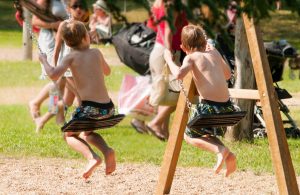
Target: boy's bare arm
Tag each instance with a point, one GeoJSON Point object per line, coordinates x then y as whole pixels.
{"type": "Point", "coordinates": [105, 67]}
{"type": "Point", "coordinates": [55, 73]}
{"type": "Point", "coordinates": [169, 60]}
{"type": "Point", "coordinates": [179, 73]}
{"type": "Point", "coordinates": [58, 43]}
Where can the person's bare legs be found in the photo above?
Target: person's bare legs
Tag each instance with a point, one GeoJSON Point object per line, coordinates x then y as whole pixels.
{"type": "Point", "coordinates": [82, 147]}
{"type": "Point", "coordinates": [68, 99]}
{"type": "Point", "coordinates": [210, 144]}
{"type": "Point", "coordinates": [109, 154]}
{"type": "Point", "coordinates": [35, 103]}
{"type": "Point", "coordinates": [230, 160]}
{"type": "Point", "coordinates": [230, 164]}
{"type": "Point", "coordinates": [42, 120]}
{"type": "Point", "coordinates": [160, 120]}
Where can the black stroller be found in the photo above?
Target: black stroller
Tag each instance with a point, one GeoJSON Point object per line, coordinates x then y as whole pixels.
{"type": "Point", "coordinates": [277, 53]}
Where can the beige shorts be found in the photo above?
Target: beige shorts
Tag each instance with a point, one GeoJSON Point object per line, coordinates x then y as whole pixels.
{"type": "Point", "coordinates": [157, 61]}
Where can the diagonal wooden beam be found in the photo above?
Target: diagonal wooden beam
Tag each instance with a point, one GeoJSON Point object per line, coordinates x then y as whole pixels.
{"type": "Point", "coordinates": [175, 139]}
{"type": "Point", "coordinates": [281, 158]}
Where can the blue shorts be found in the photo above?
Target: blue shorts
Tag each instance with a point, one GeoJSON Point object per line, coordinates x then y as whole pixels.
{"type": "Point", "coordinates": [210, 107]}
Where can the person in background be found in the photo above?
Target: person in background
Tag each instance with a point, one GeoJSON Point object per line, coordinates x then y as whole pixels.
{"type": "Point", "coordinates": [165, 38]}
{"type": "Point", "coordinates": [78, 10]}
{"type": "Point", "coordinates": [46, 42]}
{"type": "Point", "coordinates": [100, 23]}
{"type": "Point", "coordinates": [20, 18]}
{"type": "Point", "coordinates": [278, 5]}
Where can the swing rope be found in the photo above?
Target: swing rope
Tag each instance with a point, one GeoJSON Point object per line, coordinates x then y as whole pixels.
{"type": "Point", "coordinates": [211, 120]}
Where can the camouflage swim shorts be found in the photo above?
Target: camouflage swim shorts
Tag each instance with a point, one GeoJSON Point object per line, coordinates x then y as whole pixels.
{"type": "Point", "coordinates": [209, 107]}
{"type": "Point", "coordinates": [94, 110]}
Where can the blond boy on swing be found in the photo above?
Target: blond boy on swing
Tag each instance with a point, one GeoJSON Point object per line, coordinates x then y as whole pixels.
{"type": "Point", "coordinates": [88, 68]}
{"type": "Point", "coordinates": [210, 73]}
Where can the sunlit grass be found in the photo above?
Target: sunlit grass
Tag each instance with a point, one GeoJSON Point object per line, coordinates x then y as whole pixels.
{"type": "Point", "coordinates": [282, 25]}
{"type": "Point", "coordinates": [18, 138]}
{"type": "Point", "coordinates": [11, 39]}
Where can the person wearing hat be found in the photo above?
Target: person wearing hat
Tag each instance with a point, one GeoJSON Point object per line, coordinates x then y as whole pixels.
{"type": "Point", "coordinates": [100, 24]}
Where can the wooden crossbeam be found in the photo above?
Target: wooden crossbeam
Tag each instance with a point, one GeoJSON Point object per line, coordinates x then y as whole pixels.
{"type": "Point", "coordinates": [249, 94]}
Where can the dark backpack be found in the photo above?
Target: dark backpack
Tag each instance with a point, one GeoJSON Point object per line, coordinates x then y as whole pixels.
{"type": "Point", "coordinates": [134, 44]}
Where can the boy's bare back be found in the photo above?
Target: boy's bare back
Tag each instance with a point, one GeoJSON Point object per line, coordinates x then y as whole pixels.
{"type": "Point", "coordinates": [210, 73]}
{"type": "Point", "coordinates": [88, 68]}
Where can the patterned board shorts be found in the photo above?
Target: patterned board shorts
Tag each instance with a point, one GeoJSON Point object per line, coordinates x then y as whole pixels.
{"type": "Point", "coordinates": [209, 107]}
{"type": "Point", "coordinates": [94, 110]}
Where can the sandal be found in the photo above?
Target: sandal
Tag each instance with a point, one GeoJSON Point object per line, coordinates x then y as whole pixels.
{"type": "Point", "coordinates": [140, 128]}
{"type": "Point", "coordinates": [156, 134]}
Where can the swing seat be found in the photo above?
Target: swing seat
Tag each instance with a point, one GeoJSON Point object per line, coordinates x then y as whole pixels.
{"type": "Point", "coordinates": [216, 120]}
{"type": "Point", "coordinates": [86, 124]}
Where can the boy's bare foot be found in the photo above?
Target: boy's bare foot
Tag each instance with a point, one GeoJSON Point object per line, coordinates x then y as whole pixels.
{"type": "Point", "coordinates": [230, 164]}
{"type": "Point", "coordinates": [39, 125]}
{"type": "Point", "coordinates": [60, 117]}
{"type": "Point", "coordinates": [91, 166]}
{"type": "Point", "coordinates": [34, 110]}
{"type": "Point", "coordinates": [110, 162]}
{"type": "Point", "coordinates": [221, 159]}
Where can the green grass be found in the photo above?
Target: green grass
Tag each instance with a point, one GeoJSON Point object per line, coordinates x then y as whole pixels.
{"type": "Point", "coordinates": [26, 73]}
{"type": "Point", "coordinates": [18, 139]}
{"type": "Point", "coordinates": [7, 15]}
{"type": "Point", "coordinates": [282, 25]}
{"type": "Point", "coordinates": [288, 83]}
{"type": "Point", "coordinates": [11, 39]}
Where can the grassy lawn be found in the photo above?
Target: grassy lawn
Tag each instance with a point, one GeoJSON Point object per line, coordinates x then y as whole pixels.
{"type": "Point", "coordinates": [282, 25]}
{"type": "Point", "coordinates": [18, 139]}
{"type": "Point", "coordinates": [26, 73]}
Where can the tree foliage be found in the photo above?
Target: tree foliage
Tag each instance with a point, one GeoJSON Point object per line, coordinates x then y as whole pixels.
{"type": "Point", "coordinates": [211, 13]}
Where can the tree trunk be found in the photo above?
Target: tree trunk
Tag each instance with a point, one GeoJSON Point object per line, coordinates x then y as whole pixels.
{"type": "Point", "coordinates": [27, 42]}
{"type": "Point", "coordinates": [245, 79]}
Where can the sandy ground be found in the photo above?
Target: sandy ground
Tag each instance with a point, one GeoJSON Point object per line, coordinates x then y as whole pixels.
{"type": "Point", "coordinates": [60, 176]}
{"type": "Point", "coordinates": [63, 176]}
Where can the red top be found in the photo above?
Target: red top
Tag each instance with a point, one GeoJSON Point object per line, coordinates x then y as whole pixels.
{"type": "Point", "coordinates": [158, 13]}
{"type": "Point", "coordinates": [20, 21]}
{"type": "Point", "coordinates": [181, 21]}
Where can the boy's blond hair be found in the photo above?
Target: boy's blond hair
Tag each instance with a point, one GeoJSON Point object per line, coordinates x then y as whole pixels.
{"type": "Point", "coordinates": [193, 38]}
{"type": "Point", "coordinates": [73, 32]}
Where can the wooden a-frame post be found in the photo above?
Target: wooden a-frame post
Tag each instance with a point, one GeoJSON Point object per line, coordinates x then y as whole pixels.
{"type": "Point", "coordinates": [281, 159]}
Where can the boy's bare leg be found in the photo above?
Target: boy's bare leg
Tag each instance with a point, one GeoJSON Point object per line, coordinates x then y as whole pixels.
{"type": "Point", "coordinates": [82, 147]}
{"type": "Point", "coordinates": [210, 144]}
{"type": "Point", "coordinates": [41, 121]}
{"type": "Point", "coordinates": [230, 164]}
{"type": "Point", "coordinates": [35, 104]}
{"type": "Point", "coordinates": [109, 154]}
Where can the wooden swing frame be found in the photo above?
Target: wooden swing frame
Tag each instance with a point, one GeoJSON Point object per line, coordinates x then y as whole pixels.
{"type": "Point", "coordinates": [280, 154]}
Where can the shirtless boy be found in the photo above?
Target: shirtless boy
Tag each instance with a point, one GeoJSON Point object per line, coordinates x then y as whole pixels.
{"type": "Point", "coordinates": [88, 68]}
{"type": "Point", "coordinates": [210, 73]}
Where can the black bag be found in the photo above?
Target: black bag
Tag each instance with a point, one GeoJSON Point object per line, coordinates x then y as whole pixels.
{"type": "Point", "coordinates": [134, 44]}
